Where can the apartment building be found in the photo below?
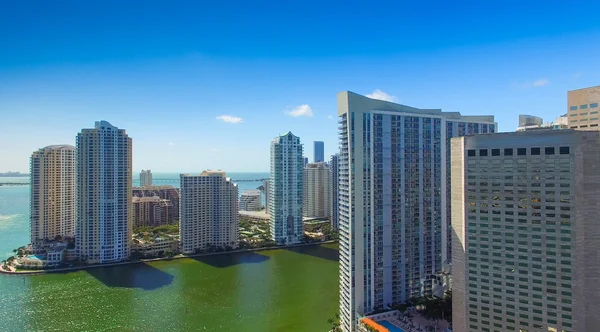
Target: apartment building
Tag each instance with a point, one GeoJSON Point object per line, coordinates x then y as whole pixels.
{"type": "Point", "coordinates": [334, 176]}
{"type": "Point", "coordinates": [168, 193]}
{"type": "Point", "coordinates": [250, 200]}
{"type": "Point", "coordinates": [146, 178]}
{"type": "Point", "coordinates": [317, 191]}
{"type": "Point", "coordinates": [583, 108]}
{"type": "Point", "coordinates": [151, 211]}
{"type": "Point", "coordinates": [104, 219]}
{"type": "Point", "coordinates": [394, 211]}
{"type": "Point", "coordinates": [524, 221]}
{"type": "Point", "coordinates": [52, 193]}
{"type": "Point", "coordinates": [209, 212]}
{"type": "Point", "coordinates": [286, 189]}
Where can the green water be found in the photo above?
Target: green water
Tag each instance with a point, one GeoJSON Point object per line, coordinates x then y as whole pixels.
{"type": "Point", "coordinates": [275, 290]}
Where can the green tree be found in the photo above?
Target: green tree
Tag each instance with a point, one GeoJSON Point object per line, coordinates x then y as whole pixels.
{"type": "Point", "coordinates": [335, 323]}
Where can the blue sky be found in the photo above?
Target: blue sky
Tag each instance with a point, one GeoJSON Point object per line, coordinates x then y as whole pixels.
{"type": "Point", "coordinates": [168, 72]}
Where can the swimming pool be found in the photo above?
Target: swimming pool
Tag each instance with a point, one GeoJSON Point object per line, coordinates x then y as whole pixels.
{"type": "Point", "coordinates": [390, 326]}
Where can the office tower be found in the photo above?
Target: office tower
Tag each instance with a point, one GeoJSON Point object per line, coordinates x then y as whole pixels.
{"type": "Point", "coordinates": [209, 212]}
{"type": "Point", "coordinates": [530, 122]}
{"type": "Point", "coordinates": [525, 212]}
{"type": "Point", "coordinates": [146, 178]}
{"type": "Point", "coordinates": [334, 176]}
{"type": "Point", "coordinates": [285, 198]}
{"type": "Point", "coordinates": [394, 218]}
{"type": "Point", "coordinates": [583, 108]}
{"type": "Point", "coordinates": [319, 152]}
{"type": "Point", "coordinates": [168, 193]}
{"type": "Point", "coordinates": [250, 200]}
{"type": "Point", "coordinates": [317, 191]}
{"type": "Point", "coordinates": [266, 187]}
{"type": "Point", "coordinates": [151, 211]}
{"type": "Point", "coordinates": [104, 219]}
{"type": "Point", "coordinates": [305, 161]}
{"type": "Point", "coordinates": [52, 207]}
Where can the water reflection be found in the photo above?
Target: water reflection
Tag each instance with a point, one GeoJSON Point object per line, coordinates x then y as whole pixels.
{"type": "Point", "coordinates": [139, 275]}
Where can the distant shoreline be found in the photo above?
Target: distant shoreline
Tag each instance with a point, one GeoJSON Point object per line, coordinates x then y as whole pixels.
{"type": "Point", "coordinates": [180, 256]}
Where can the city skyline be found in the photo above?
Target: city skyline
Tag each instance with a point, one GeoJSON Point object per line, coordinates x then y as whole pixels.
{"type": "Point", "coordinates": [58, 73]}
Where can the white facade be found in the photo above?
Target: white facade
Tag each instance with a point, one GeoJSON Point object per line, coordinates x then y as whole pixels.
{"type": "Point", "coordinates": [52, 208]}
{"type": "Point", "coordinates": [104, 216]}
{"type": "Point", "coordinates": [286, 192]}
{"type": "Point", "coordinates": [209, 212]}
{"type": "Point", "coordinates": [317, 191]}
{"type": "Point", "coordinates": [266, 188]}
{"type": "Point", "coordinates": [394, 211]}
{"type": "Point", "coordinates": [146, 178]}
{"type": "Point", "coordinates": [334, 176]}
{"type": "Point", "coordinates": [525, 209]}
{"type": "Point", "coordinates": [250, 200]}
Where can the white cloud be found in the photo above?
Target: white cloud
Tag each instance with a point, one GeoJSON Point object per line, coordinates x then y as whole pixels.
{"type": "Point", "coordinates": [378, 94]}
{"type": "Point", "coordinates": [540, 82]}
{"type": "Point", "coordinates": [171, 144]}
{"type": "Point", "coordinates": [302, 110]}
{"type": "Point", "coordinates": [229, 119]}
{"type": "Point", "coordinates": [330, 117]}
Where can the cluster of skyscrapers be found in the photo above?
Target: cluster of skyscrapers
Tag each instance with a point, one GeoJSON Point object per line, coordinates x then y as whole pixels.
{"type": "Point", "coordinates": [426, 194]}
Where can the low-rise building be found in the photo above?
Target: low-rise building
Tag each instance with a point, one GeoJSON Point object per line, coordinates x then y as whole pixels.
{"type": "Point", "coordinates": [157, 247]}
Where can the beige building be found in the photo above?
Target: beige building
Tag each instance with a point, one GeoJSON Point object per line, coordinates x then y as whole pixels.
{"type": "Point", "coordinates": [151, 211]}
{"type": "Point", "coordinates": [317, 191]}
{"type": "Point", "coordinates": [209, 212]}
{"type": "Point", "coordinates": [164, 192]}
{"type": "Point", "coordinates": [583, 108]}
{"type": "Point", "coordinates": [52, 208]}
{"type": "Point", "coordinates": [250, 200]}
{"type": "Point", "coordinates": [525, 231]}
{"type": "Point", "coordinates": [104, 217]}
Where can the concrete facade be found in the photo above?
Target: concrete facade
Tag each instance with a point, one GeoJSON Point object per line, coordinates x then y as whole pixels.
{"type": "Point", "coordinates": [151, 211]}
{"type": "Point", "coordinates": [52, 193]}
{"type": "Point", "coordinates": [582, 108]}
{"type": "Point", "coordinates": [250, 200]}
{"type": "Point", "coordinates": [394, 211]}
{"type": "Point", "coordinates": [334, 176]}
{"type": "Point", "coordinates": [146, 178]}
{"type": "Point", "coordinates": [168, 193]}
{"type": "Point", "coordinates": [209, 212]}
{"type": "Point", "coordinates": [524, 220]}
{"type": "Point", "coordinates": [104, 216]}
{"type": "Point", "coordinates": [317, 191]}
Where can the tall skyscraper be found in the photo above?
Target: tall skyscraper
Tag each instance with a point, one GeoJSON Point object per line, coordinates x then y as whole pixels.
{"type": "Point", "coordinates": [394, 200]}
{"type": "Point", "coordinates": [52, 207]}
{"type": "Point", "coordinates": [525, 212]}
{"type": "Point", "coordinates": [146, 178]}
{"type": "Point", "coordinates": [305, 161]}
{"type": "Point", "coordinates": [104, 217]}
{"type": "Point", "coordinates": [334, 176]}
{"type": "Point", "coordinates": [286, 191]}
{"type": "Point", "coordinates": [583, 108]}
{"type": "Point", "coordinates": [319, 152]}
{"type": "Point", "coordinates": [317, 191]}
{"type": "Point", "coordinates": [209, 212]}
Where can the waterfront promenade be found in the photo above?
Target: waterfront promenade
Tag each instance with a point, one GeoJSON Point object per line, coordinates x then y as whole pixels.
{"type": "Point", "coordinates": [180, 256]}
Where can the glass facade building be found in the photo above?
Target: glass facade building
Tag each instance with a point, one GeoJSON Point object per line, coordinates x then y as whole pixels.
{"type": "Point", "coordinates": [393, 203]}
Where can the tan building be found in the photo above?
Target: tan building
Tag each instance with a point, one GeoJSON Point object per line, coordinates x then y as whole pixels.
{"type": "Point", "coordinates": [151, 211]}
{"type": "Point", "coordinates": [209, 212]}
{"type": "Point", "coordinates": [317, 191]}
{"type": "Point", "coordinates": [168, 193]}
{"type": "Point", "coordinates": [52, 208]}
{"type": "Point", "coordinates": [104, 216]}
{"type": "Point", "coordinates": [525, 209]}
{"type": "Point", "coordinates": [583, 108]}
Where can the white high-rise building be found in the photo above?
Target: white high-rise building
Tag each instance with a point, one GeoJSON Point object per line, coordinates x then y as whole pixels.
{"type": "Point", "coordinates": [286, 189]}
{"type": "Point", "coordinates": [250, 200]}
{"type": "Point", "coordinates": [52, 207]}
{"type": "Point", "coordinates": [145, 178]}
{"type": "Point", "coordinates": [334, 176]}
{"type": "Point", "coordinates": [209, 212]}
{"type": "Point", "coordinates": [394, 209]}
{"type": "Point", "coordinates": [317, 191]}
{"type": "Point", "coordinates": [104, 199]}
{"type": "Point", "coordinates": [525, 209]}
